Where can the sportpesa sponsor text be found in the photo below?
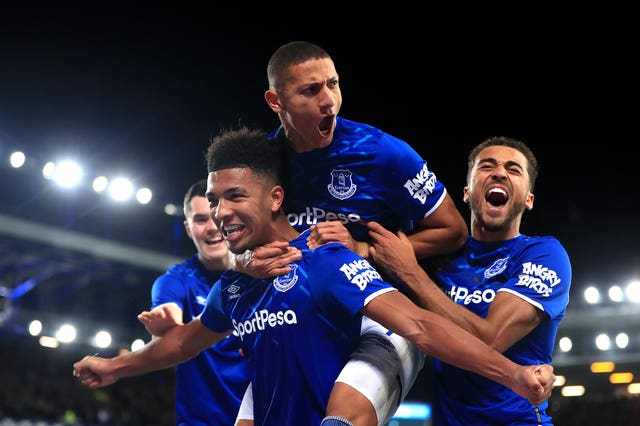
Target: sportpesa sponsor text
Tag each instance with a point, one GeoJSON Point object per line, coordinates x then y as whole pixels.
{"type": "Point", "coordinates": [313, 215]}
{"type": "Point", "coordinates": [358, 272]}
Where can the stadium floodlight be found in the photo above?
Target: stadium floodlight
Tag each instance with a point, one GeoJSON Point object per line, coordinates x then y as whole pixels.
{"type": "Point", "coordinates": [633, 291]}
{"type": "Point", "coordinates": [144, 195]}
{"type": "Point", "coordinates": [17, 159]}
{"type": "Point", "coordinates": [102, 339]}
{"type": "Point", "coordinates": [622, 340]}
{"type": "Point", "coordinates": [67, 174]}
{"type": "Point", "coordinates": [66, 333]}
{"type": "Point", "coordinates": [565, 344]}
{"type": "Point", "coordinates": [100, 184]}
{"type": "Point", "coordinates": [569, 391]}
{"type": "Point", "coordinates": [120, 189]}
{"type": "Point", "coordinates": [137, 344]}
{"type": "Point", "coordinates": [592, 295]}
{"type": "Point", "coordinates": [48, 342]}
{"type": "Point", "coordinates": [615, 293]}
{"type": "Point", "coordinates": [49, 169]}
{"type": "Point", "coordinates": [35, 327]}
{"type": "Point", "coordinates": [603, 342]}
{"type": "Point", "coordinates": [171, 210]}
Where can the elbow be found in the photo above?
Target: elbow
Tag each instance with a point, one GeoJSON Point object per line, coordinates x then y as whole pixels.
{"type": "Point", "coordinates": [458, 236]}
{"type": "Point", "coordinates": [462, 236]}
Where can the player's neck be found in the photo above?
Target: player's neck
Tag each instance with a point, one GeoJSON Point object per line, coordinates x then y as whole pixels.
{"type": "Point", "coordinates": [282, 230]}
{"type": "Point", "coordinates": [299, 144]}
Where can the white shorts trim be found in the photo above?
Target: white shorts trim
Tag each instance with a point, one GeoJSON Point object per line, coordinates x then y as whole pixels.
{"type": "Point", "coordinates": [245, 412]}
{"type": "Point", "coordinates": [369, 375]}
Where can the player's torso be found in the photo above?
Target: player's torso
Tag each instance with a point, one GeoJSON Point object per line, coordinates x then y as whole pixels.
{"type": "Point", "coordinates": [351, 179]}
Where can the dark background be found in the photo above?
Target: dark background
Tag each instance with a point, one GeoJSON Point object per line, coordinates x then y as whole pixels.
{"type": "Point", "coordinates": [142, 89]}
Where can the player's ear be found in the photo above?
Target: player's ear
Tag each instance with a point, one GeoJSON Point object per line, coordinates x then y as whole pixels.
{"type": "Point", "coordinates": [277, 197]}
{"type": "Point", "coordinates": [528, 203]}
{"type": "Point", "coordinates": [186, 228]}
{"type": "Point", "coordinates": [273, 100]}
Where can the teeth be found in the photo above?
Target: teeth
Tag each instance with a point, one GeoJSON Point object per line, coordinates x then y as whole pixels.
{"type": "Point", "coordinates": [232, 229]}
{"type": "Point", "coordinates": [215, 240]}
{"type": "Point", "coordinates": [498, 190]}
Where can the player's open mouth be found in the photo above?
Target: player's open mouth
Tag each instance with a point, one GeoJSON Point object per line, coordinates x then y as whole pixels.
{"type": "Point", "coordinates": [231, 230]}
{"type": "Point", "coordinates": [496, 197]}
{"type": "Point", "coordinates": [326, 124]}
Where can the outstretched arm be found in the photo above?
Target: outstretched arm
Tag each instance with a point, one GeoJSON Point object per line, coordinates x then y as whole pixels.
{"type": "Point", "coordinates": [177, 345]}
{"type": "Point", "coordinates": [441, 338]}
{"type": "Point", "coordinates": [509, 318]}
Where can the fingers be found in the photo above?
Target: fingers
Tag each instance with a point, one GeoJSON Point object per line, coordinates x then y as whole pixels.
{"type": "Point", "coordinates": [376, 229]}
{"type": "Point", "coordinates": [543, 384]}
{"type": "Point", "coordinates": [272, 261]}
{"type": "Point", "coordinates": [269, 252]}
{"type": "Point", "coordinates": [327, 232]}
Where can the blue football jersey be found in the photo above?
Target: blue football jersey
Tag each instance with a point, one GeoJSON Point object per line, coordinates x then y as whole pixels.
{"type": "Point", "coordinates": [298, 330]}
{"type": "Point", "coordinates": [210, 386]}
{"type": "Point", "coordinates": [364, 173]}
{"type": "Point", "coordinates": [535, 269]}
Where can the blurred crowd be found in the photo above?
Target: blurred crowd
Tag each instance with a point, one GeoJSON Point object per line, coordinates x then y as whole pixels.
{"type": "Point", "coordinates": [38, 385]}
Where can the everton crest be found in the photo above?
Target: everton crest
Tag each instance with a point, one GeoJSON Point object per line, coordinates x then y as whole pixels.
{"type": "Point", "coordinates": [285, 282]}
{"type": "Point", "coordinates": [497, 267]}
{"type": "Point", "coordinates": [341, 186]}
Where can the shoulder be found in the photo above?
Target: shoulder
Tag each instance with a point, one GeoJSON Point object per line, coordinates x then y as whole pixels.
{"type": "Point", "coordinates": [184, 267]}
{"type": "Point", "coordinates": [372, 141]}
{"type": "Point", "coordinates": [547, 244]}
{"type": "Point", "coordinates": [351, 127]}
{"type": "Point", "coordinates": [544, 256]}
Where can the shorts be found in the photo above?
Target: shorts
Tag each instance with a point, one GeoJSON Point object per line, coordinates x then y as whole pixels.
{"type": "Point", "coordinates": [383, 368]}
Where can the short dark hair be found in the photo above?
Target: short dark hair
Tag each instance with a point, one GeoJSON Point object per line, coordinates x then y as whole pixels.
{"type": "Point", "coordinates": [198, 189]}
{"type": "Point", "coordinates": [532, 162]}
{"type": "Point", "coordinates": [245, 147]}
{"type": "Point", "coordinates": [292, 53]}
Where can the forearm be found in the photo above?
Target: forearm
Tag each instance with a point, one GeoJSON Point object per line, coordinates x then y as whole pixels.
{"type": "Point", "coordinates": [453, 345]}
{"type": "Point", "coordinates": [426, 293]}
{"type": "Point", "coordinates": [159, 353]}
